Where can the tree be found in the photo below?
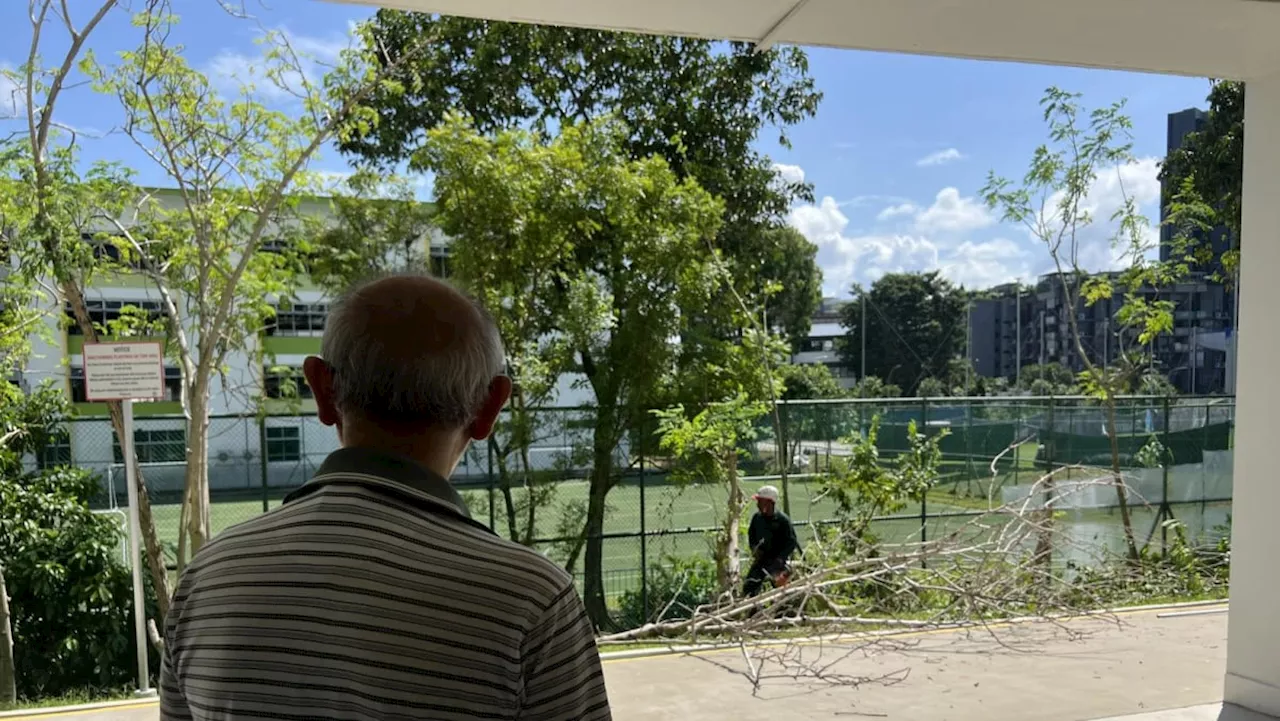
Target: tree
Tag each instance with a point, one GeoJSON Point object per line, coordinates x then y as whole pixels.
{"type": "Point", "coordinates": [8, 673]}
{"type": "Point", "coordinates": [377, 226]}
{"type": "Point", "coordinates": [873, 387]}
{"type": "Point", "coordinates": [788, 262]}
{"type": "Point", "coordinates": [699, 104]}
{"type": "Point", "coordinates": [1051, 203]}
{"type": "Point", "coordinates": [707, 446]}
{"type": "Point", "coordinates": [48, 205]}
{"type": "Point", "coordinates": [915, 325]}
{"type": "Point", "coordinates": [932, 388]}
{"type": "Point", "coordinates": [1048, 379]}
{"type": "Point", "coordinates": [809, 382]}
{"type": "Point", "coordinates": [1208, 168]}
{"type": "Point", "coordinates": [616, 263]}
{"type": "Point", "coordinates": [240, 176]}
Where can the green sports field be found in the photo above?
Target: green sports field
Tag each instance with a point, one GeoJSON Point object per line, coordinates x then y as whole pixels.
{"type": "Point", "coordinates": [675, 518]}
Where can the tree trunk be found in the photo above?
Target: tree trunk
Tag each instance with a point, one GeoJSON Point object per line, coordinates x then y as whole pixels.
{"type": "Point", "coordinates": [1044, 540]}
{"type": "Point", "coordinates": [150, 540]}
{"type": "Point", "coordinates": [727, 553]}
{"type": "Point", "coordinates": [8, 674]}
{"type": "Point", "coordinates": [593, 583]}
{"type": "Point", "coordinates": [1122, 497]}
{"type": "Point", "coordinates": [531, 512]}
{"type": "Point", "coordinates": [195, 529]}
{"type": "Point", "coordinates": [504, 485]}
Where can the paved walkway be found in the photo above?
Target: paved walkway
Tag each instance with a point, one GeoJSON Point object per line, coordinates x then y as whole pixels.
{"type": "Point", "coordinates": [1088, 669]}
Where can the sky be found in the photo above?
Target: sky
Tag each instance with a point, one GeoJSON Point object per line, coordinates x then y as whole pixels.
{"type": "Point", "coordinates": [899, 149]}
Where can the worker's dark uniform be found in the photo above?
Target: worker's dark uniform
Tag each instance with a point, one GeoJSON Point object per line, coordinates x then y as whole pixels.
{"type": "Point", "coordinates": [772, 540]}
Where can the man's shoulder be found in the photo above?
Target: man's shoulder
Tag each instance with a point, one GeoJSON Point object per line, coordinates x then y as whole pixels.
{"type": "Point", "coordinates": [469, 542]}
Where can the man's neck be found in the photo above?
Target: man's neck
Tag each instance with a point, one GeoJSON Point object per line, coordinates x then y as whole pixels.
{"type": "Point", "coordinates": [429, 449]}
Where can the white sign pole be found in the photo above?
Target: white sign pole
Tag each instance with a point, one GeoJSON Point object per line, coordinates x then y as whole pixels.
{"type": "Point", "coordinates": [135, 533]}
{"type": "Point", "coordinates": [125, 372]}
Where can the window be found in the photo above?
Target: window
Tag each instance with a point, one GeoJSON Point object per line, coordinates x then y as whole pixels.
{"type": "Point", "coordinates": [284, 443]}
{"type": "Point", "coordinates": [816, 345]}
{"type": "Point", "coordinates": [278, 382]}
{"type": "Point", "coordinates": [301, 319]}
{"type": "Point", "coordinates": [77, 385]}
{"type": "Point", "coordinates": [56, 453]}
{"type": "Point", "coordinates": [105, 248]}
{"type": "Point", "coordinates": [155, 446]}
{"type": "Point", "coordinates": [172, 384]}
{"type": "Point", "coordinates": [102, 312]}
{"type": "Point", "coordinates": [438, 263]}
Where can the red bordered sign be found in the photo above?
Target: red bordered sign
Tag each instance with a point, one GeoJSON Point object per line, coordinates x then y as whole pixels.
{"type": "Point", "coordinates": [123, 371]}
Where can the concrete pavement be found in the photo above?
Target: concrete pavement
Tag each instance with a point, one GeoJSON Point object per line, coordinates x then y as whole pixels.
{"type": "Point", "coordinates": [1085, 669]}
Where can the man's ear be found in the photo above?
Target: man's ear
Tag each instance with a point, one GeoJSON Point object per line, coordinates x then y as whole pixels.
{"type": "Point", "coordinates": [499, 392]}
{"type": "Point", "coordinates": [319, 375]}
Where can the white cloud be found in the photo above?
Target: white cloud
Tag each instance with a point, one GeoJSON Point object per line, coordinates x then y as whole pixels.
{"type": "Point", "coordinates": [951, 213]}
{"type": "Point", "coordinates": [789, 173]}
{"type": "Point", "coordinates": [982, 264]}
{"type": "Point", "coordinates": [845, 259]}
{"type": "Point", "coordinates": [894, 211]}
{"type": "Point", "coordinates": [13, 101]}
{"type": "Point", "coordinates": [953, 234]}
{"type": "Point", "coordinates": [1094, 246]}
{"type": "Point", "coordinates": [942, 157]}
{"type": "Point", "coordinates": [232, 72]}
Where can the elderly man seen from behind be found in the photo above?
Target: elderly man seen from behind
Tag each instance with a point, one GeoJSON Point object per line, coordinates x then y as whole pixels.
{"type": "Point", "coordinates": [371, 594]}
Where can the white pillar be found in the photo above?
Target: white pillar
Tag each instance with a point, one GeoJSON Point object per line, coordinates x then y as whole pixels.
{"type": "Point", "coordinates": [1253, 646]}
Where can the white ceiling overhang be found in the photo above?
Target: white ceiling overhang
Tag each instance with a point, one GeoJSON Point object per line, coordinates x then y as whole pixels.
{"type": "Point", "coordinates": [1219, 38]}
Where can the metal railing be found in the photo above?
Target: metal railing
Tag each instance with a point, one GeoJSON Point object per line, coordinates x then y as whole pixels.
{"type": "Point", "coordinates": [992, 447]}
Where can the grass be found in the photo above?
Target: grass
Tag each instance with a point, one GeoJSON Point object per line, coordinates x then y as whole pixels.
{"type": "Point", "coordinates": [674, 513]}
{"type": "Point", "coordinates": [71, 698]}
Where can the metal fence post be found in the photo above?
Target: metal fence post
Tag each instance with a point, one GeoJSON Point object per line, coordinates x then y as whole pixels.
{"type": "Point", "coordinates": [783, 453]}
{"type": "Point", "coordinates": [262, 460]}
{"type": "Point", "coordinates": [1048, 442]}
{"type": "Point", "coordinates": [924, 494]}
{"type": "Point", "coordinates": [1166, 511]}
{"type": "Point", "coordinates": [644, 536]}
{"type": "Point", "coordinates": [1017, 449]}
{"type": "Point", "coordinates": [488, 481]}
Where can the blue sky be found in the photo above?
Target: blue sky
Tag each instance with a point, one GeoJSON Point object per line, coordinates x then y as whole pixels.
{"type": "Point", "coordinates": [897, 152]}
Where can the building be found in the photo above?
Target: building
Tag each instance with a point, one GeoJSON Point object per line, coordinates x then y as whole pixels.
{"type": "Point", "coordinates": [1001, 331]}
{"type": "Point", "coordinates": [1011, 328]}
{"type": "Point", "coordinates": [1216, 331]}
{"type": "Point", "coordinates": [1180, 125]}
{"type": "Point", "coordinates": [823, 342]}
{"type": "Point", "coordinates": [265, 375]}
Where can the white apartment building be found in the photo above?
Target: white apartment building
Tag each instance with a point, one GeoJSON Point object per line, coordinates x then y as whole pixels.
{"type": "Point", "coordinates": [283, 448]}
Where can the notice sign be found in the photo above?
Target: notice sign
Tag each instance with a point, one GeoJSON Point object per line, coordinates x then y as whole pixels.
{"type": "Point", "coordinates": [123, 371]}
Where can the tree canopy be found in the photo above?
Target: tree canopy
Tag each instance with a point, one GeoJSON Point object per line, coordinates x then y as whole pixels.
{"type": "Point", "coordinates": [587, 257]}
{"type": "Point", "coordinates": [915, 325]}
{"type": "Point", "coordinates": [1209, 165]}
{"type": "Point", "coordinates": [701, 105]}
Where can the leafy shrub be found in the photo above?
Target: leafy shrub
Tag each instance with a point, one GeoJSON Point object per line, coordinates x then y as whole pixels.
{"type": "Point", "coordinates": [678, 585]}
{"type": "Point", "coordinates": [70, 594]}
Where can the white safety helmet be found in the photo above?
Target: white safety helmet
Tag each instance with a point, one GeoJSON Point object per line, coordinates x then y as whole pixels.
{"type": "Point", "coordinates": [766, 493]}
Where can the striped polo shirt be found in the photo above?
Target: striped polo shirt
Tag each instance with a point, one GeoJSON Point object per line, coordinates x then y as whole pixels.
{"type": "Point", "coordinates": [371, 594]}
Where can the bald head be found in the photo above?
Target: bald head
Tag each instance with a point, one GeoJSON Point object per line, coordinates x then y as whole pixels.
{"type": "Point", "coordinates": [410, 350]}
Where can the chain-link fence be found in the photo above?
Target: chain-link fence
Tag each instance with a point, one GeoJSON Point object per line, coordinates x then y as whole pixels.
{"type": "Point", "coordinates": [532, 481]}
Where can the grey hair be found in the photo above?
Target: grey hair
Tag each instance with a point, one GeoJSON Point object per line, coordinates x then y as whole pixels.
{"type": "Point", "coordinates": [372, 379]}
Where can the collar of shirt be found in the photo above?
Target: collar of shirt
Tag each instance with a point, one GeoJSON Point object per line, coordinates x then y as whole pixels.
{"type": "Point", "coordinates": [388, 472]}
